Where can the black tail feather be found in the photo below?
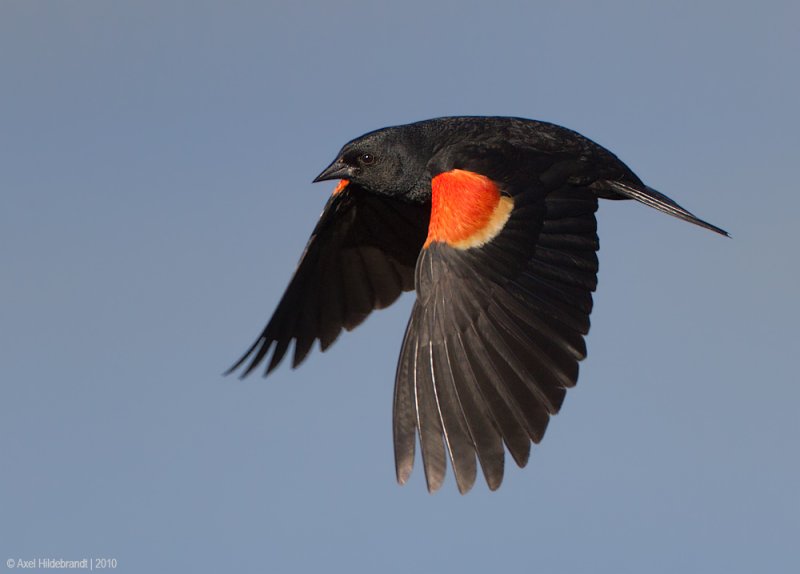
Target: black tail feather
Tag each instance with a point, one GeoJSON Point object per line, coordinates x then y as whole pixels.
{"type": "Point", "coordinates": [661, 202]}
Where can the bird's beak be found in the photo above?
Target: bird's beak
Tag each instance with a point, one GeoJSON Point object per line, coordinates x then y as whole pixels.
{"type": "Point", "coordinates": [337, 170]}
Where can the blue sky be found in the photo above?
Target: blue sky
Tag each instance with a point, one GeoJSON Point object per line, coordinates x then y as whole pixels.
{"type": "Point", "coordinates": [155, 168]}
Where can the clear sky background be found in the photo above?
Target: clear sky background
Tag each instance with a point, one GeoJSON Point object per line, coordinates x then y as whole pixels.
{"type": "Point", "coordinates": [155, 195]}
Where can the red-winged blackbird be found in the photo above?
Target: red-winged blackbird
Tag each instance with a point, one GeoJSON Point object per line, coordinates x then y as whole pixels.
{"type": "Point", "coordinates": [492, 221]}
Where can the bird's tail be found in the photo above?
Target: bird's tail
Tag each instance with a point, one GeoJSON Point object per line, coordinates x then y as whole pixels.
{"type": "Point", "coordinates": [661, 202]}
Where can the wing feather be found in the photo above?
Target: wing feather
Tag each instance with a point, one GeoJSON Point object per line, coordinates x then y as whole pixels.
{"type": "Point", "coordinates": [428, 417]}
{"type": "Point", "coordinates": [360, 257]}
{"type": "Point", "coordinates": [496, 336]}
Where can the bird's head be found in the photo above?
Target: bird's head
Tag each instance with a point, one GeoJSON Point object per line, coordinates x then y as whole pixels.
{"type": "Point", "coordinates": [390, 161]}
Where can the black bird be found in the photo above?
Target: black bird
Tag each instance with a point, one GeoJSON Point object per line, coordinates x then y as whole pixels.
{"type": "Point", "coordinates": [492, 221]}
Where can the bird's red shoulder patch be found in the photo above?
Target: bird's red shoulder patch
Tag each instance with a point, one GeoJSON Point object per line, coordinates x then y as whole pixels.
{"type": "Point", "coordinates": [340, 186]}
{"type": "Point", "coordinates": [467, 209]}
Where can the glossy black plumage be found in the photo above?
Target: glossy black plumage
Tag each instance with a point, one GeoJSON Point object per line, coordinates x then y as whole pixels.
{"type": "Point", "coordinates": [360, 257]}
{"type": "Point", "coordinates": [497, 330]}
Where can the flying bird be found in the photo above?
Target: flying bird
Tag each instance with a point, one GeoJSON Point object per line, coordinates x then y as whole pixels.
{"type": "Point", "coordinates": [491, 220]}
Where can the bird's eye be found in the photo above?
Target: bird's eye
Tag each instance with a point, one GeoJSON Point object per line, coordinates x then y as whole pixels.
{"type": "Point", "coordinates": [367, 158]}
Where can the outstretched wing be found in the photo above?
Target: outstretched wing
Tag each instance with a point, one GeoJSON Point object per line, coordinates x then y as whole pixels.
{"type": "Point", "coordinates": [498, 327]}
{"type": "Point", "coordinates": [360, 257]}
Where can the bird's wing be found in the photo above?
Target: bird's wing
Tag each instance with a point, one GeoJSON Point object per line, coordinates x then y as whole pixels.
{"type": "Point", "coordinates": [360, 257]}
{"type": "Point", "coordinates": [496, 333]}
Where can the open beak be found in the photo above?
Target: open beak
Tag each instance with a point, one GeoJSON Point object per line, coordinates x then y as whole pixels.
{"type": "Point", "coordinates": [337, 170]}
